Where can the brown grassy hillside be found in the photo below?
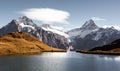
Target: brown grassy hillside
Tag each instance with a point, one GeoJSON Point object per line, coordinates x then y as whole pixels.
{"type": "Point", "coordinates": [18, 42]}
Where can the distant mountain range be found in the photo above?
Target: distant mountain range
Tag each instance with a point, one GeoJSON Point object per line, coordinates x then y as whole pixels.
{"type": "Point", "coordinates": [86, 37]}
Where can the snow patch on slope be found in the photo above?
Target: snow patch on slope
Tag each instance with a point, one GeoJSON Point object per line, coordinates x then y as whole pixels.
{"type": "Point", "coordinates": [75, 33]}
{"type": "Point", "coordinates": [85, 33]}
{"type": "Point", "coordinates": [54, 30]}
{"type": "Point", "coordinates": [81, 33]}
{"type": "Point", "coordinates": [23, 26]}
{"type": "Point", "coordinates": [98, 36]}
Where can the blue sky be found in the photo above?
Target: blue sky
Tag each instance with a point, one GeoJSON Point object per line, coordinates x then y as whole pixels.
{"type": "Point", "coordinates": [79, 11]}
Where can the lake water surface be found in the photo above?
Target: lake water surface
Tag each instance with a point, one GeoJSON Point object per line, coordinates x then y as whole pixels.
{"type": "Point", "coordinates": [59, 61]}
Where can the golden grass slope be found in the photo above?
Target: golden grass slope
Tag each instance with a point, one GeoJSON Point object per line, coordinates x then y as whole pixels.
{"type": "Point", "coordinates": [22, 43]}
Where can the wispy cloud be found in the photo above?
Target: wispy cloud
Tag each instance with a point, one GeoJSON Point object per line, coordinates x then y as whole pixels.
{"type": "Point", "coordinates": [47, 15]}
{"type": "Point", "coordinates": [98, 19]}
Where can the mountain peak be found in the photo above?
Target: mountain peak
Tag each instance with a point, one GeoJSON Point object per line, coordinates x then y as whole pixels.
{"type": "Point", "coordinates": [23, 17]}
{"type": "Point", "coordinates": [24, 20]}
{"type": "Point", "coordinates": [90, 24]}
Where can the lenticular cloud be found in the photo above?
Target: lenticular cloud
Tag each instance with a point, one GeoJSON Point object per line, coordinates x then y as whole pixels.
{"type": "Point", "coordinates": [47, 15]}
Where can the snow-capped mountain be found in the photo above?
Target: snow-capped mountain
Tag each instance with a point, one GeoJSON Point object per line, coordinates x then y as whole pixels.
{"type": "Point", "coordinates": [45, 33]}
{"type": "Point", "coordinates": [86, 29]}
{"type": "Point", "coordinates": [90, 25]}
{"type": "Point", "coordinates": [20, 24]}
{"type": "Point", "coordinates": [25, 22]}
{"type": "Point", "coordinates": [90, 35]}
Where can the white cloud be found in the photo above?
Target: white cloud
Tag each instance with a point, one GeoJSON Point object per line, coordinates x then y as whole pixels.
{"type": "Point", "coordinates": [47, 15]}
{"type": "Point", "coordinates": [115, 26]}
{"type": "Point", "coordinates": [98, 19]}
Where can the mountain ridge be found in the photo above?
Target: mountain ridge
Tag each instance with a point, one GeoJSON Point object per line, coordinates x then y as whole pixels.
{"type": "Point", "coordinates": [86, 37]}
{"type": "Point", "coordinates": [24, 24]}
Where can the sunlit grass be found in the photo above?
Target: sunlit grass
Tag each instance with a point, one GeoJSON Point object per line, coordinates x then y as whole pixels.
{"type": "Point", "coordinates": [16, 43]}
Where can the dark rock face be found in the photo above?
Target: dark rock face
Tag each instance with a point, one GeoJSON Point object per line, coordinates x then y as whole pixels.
{"type": "Point", "coordinates": [9, 27]}
{"type": "Point", "coordinates": [24, 24]}
{"type": "Point", "coordinates": [52, 39]}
